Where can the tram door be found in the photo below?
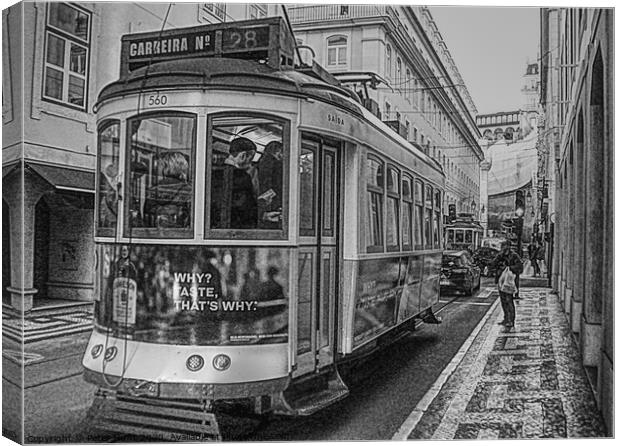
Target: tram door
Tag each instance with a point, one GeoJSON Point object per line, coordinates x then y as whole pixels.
{"type": "Point", "coordinates": [319, 169]}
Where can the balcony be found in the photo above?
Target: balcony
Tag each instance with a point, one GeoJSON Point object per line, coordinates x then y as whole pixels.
{"type": "Point", "coordinates": [304, 15]}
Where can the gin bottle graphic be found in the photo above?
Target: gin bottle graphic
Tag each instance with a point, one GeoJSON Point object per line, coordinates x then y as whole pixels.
{"type": "Point", "coordinates": [124, 290]}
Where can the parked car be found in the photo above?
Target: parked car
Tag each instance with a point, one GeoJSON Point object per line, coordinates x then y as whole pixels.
{"type": "Point", "coordinates": [483, 257]}
{"type": "Point", "coordinates": [459, 273]}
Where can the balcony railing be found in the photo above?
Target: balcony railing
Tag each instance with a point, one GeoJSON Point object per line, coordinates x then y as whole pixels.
{"type": "Point", "coordinates": [322, 13]}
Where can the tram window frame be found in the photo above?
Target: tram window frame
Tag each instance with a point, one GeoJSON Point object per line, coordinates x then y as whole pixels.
{"type": "Point", "coordinates": [437, 219]}
{"type": "Point", "coordinates": [379, 191]}
{"type": "Point", "coordinates": [311, 146]}
{"type": "Point", "coordinates": [391, 195]}
{"type": "Point", "coordinates": [253, 233]}
{"type": "Point", "coordinates": [418, 227]}
{"type": "Point", "coordinates": [407, 210]}
{"type": "Point", "coordinates": [428, 217]}
{"type": "Point", "coordinates": [154, 232]}
{"type": "Point", "coordinates": [106, 231]}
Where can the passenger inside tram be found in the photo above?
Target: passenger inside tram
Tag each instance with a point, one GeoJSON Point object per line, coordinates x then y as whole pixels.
{"type": "Point", "coordinates": [233, 198]}
{"type": "Point", "coordinates": [270, 184]}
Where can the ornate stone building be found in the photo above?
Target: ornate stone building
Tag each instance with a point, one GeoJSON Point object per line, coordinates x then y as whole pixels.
{"type": "Point", "coordinates": [397, 60]}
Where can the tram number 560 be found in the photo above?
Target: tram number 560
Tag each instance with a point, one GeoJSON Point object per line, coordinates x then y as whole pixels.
{"type": "Point", "coordinates": [156, 99]}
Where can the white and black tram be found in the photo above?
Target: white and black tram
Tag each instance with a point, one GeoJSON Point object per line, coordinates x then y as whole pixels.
{"type": "Point", "coordinates": [255, 228]}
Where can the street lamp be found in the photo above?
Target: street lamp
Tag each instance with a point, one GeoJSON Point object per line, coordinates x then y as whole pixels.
{"type": "Point", "coordinates": [519, 227]}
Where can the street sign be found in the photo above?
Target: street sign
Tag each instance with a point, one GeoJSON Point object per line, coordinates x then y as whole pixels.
{"type": "Point", "coordinates": [268, 40]}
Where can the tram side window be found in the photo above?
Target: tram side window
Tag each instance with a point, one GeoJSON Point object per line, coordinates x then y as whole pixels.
{"type": "Point", "coordinates": [437, 220]}
{"type": "Point", "coordinates": [108, 168]}
{"type": "Point", "coordinates": [418, 223]}
{"type": "Point", "coordinates": [307, 168]}
{"type": "Point", "coordinates": [458, 238]}
{"type": "Point", "coordinates": [391, 222]}
{"type": "Point", "coordinates": [468, 237]}
{"type": "Point", "coordinates": [161, 176]}
{"type": "Point", "coordinates": [407, 209]}
{"type": "Point", "coordinates": [247, 173]}
{"type": "Point", "coordinates": [375, 184]}
{"type": "Point", "coordinates": [428, 243]}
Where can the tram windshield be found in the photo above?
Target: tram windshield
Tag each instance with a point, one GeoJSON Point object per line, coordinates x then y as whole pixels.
{"type": "Point", "coordinates": [247, 173]}
{"type": "Point", "coordinates": [193, 295]}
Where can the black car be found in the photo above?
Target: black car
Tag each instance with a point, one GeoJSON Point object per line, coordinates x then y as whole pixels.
{"type": "Point", "coordinates": [483, 257]}
{"type": "Point", "coordinates": [459, 272]}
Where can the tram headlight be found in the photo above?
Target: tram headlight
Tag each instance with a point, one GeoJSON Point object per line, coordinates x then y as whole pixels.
{"type": "Point", "coordinates": [221, 362]}
{"type": "Point", "coordinates": [96, 351]}
{"type": "Point", "coordinates": [194, 363]}
{"type": "Point", "coordinates": [110, 353]}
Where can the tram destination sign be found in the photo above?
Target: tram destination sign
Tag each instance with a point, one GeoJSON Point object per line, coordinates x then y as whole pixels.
{"type": "Point", "coordinates": [267, 40]}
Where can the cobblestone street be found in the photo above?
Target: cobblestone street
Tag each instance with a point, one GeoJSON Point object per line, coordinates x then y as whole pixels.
{"type": "Point", "coordinates": [523, 383]}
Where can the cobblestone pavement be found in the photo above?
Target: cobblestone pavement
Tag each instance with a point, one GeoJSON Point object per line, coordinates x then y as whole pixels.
{"type": "Point", "coordinates": [524, 383]}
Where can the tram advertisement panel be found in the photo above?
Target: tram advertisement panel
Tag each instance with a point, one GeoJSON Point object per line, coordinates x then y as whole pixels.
{"type": "Point", "coordinates": [377, 296]}
{"type": "Point", "coordinates": [194, 295]}
{"type": "Point", "coordinates": [430, 285]}
{"type": "Point", "coordinates": [410, 298]}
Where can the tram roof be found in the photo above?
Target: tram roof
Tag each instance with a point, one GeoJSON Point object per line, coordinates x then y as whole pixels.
{"type": "Point", "coordinates": [235, 74]}
{"type": "Point", "coordinates": [242, 75]}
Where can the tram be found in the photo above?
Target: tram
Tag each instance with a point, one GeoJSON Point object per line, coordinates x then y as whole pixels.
{"type": "Point", "coordinates": [463, 233]}
{"type": "Point", "coordinates": [256, 228]}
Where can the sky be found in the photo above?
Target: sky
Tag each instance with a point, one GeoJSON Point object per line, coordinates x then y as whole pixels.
{"type": "Point", "coordinates": [491, 47]}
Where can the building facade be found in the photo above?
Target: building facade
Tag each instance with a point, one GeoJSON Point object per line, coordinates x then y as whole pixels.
{"type": "Point", "coordinates": [576, 159]}
{"type": "Point", "coordinates": [56, 58]}
{"type": "Point", "coordinates": [397, 61]}
{"type": "Point", "coordinates": [509, 142]}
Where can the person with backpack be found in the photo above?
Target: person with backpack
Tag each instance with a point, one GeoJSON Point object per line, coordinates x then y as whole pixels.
{"type": "Point", "coordinates": [507, 265]}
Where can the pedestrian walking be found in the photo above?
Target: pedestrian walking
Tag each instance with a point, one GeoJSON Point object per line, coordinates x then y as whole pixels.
{"type": "Point", "coordinates": [507, 261]}
{"type": "Point", "coordinates": [540, 257]}
{"type": "Point", "coordinates": [532, 250]}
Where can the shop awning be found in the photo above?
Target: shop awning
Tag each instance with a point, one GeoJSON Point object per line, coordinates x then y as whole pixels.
{"type": "Point", "coordinates": [63, 178]}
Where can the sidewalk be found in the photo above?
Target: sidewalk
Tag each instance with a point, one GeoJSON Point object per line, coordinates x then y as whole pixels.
{"type": "Point", "coordinates": [42, 324]}
{"type": "Point", "coordinates": [526, 383]}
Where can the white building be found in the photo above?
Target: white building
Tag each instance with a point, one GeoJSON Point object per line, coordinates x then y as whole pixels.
{"type": "Point", "coordinates": [396, 59]}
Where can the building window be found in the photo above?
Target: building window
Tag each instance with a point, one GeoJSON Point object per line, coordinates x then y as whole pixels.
{"type": "Point", "coordinates": [337, 51]}
{"type": "Point", "coordinates": [388, 111]}
{"type": "Point", "coordinates": [67, 45]}
{"type": "Point", "coordinates": [218, 10]}
{"type": "Point", "coordinates": [408, 91]}
{"type": "Point", "coordinates": [257, 11]}
{"type": "Point", "coordinates": [399, 74]}
{"type": "Point", "coordinates": [388, 60]}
